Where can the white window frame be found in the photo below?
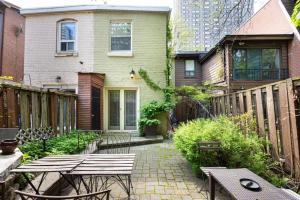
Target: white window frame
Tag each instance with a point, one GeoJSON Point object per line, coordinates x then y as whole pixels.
{"type": "Point", "coordinates": [185, 71]}
{"type": "Point", "coordinates": [59, 41]}
{"type": "Point", "coordinates": [112, 52]}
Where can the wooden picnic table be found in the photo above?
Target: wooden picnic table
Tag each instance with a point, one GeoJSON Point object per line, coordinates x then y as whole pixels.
{"type": "Point", "coordinates": [96, 167]}
{"type": "Point", "coordinates": [229, 179]}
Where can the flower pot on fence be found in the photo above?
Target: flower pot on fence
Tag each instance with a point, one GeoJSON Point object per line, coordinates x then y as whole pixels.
{"type": "Point", "coordinates": [8, 146]}
{"type": "Point", "coordinates": [150, 130]}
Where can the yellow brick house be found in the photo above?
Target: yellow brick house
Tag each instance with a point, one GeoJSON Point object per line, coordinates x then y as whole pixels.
{"type": "Point", "coordinates": [97, 51]}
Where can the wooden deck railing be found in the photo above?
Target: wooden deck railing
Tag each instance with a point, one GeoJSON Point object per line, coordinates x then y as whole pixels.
{"type": "Point", "coordinates": [25, 106]}
{"type": "Point", "coordinates": [276, 109]}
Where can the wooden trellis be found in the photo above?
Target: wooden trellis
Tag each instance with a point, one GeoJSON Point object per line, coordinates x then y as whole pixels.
{"type": "Point", "coordinates": [23, 107]}
{"type": "Point", "coordinates": [276, 109]}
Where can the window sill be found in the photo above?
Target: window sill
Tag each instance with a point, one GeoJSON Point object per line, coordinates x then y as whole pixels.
{"type": "Point", "coordinates": [189, 77]}
{"type": "Point", "coordinates": [66, 54]}
{"type": "Point", "coordinates": [120, 54]}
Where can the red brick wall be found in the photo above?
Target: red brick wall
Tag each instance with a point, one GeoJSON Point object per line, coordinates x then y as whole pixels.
{"type": "Point", "coordinates": [13, 46]}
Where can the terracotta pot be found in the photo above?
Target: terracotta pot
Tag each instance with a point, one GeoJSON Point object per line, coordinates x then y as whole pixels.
{"type": "Point", "coordinates": [150, 130]}
{"type": "Point", "coordinates": [8, 146]}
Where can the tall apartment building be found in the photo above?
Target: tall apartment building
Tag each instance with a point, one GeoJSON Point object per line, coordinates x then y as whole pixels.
{"type": "Point", "coordinates": [204, 22]}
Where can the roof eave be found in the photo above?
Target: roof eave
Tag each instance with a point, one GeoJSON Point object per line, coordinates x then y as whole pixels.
{"type": "Point", "coordinates": [231, 38]}
{"type": "Point", "coordinates": [29, 11]}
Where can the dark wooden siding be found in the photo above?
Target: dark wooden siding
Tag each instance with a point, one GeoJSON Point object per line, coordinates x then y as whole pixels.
{"type": "Point", "coordinates": [13, 44]}
{"type": "Point", "coordinates": [84, 102]}
{"type": "Point", "coordinates": [181, 79]}
{"type": "Point", "coordinates": [84, 107]}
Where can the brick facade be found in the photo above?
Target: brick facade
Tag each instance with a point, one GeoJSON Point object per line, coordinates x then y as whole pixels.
{"type": "Point", "coordinates": [13, 44]}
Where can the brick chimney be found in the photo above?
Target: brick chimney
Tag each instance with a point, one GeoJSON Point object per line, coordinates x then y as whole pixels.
{"type": "Point", "coordinates": [289, 5]}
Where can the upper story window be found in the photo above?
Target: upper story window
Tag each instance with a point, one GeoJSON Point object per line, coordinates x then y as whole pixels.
{"type": "Point", "coordinates": [67, 35]}
{"type": "Point", "coordinates": [120, 36]}
{"type": "Point", "coordinates": [189, 68]}
{"type": "Point", "coordinates": [257, 64]}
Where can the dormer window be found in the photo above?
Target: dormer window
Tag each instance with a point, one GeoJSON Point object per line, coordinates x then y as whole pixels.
{"type": "Point", "coordinates": [67, 30]}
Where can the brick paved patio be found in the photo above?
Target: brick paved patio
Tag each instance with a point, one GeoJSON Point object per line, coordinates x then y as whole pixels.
{"type": "Point", "coordinates": [161, 172]}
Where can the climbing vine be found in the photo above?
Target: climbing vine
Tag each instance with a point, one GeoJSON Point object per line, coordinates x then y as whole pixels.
{"type": "Point", "coordinates": [144, 75]}
{"type": "Point", "coordinates": [152, 109]}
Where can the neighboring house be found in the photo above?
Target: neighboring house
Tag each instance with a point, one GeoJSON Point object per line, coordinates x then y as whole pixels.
{"type": "Point", "coordinates": [11, 41]}
{"type": "Point", "coordinates": [97, 51]}
{"type": "Point", "coordinates": [187, 68]}
{"type": "Point", "coordinates": [265, 49]}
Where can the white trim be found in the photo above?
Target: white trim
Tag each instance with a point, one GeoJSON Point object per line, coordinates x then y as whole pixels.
{"type": "Point", "coordinates": [296, 33]}
{"type": "Point", "coordinates": [94, 7]}
{"type": "Point", "coordinates": [126, 53]}
{"type": "Point", "coordinates": [58, 49]}
{"type": "Point", "coordinates": [105, 108]}
{"type": "Point", "coordinates": [120, 54]}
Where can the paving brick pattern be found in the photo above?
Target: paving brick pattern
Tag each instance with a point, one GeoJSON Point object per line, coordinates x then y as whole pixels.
{"type": "Point", "coordinates": [161, 172]}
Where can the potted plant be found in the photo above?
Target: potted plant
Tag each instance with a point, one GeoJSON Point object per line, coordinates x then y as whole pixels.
{"type": "Point", "coordinates": [8, 146]}
{"type": "Point", "coordinates": [149, 126]}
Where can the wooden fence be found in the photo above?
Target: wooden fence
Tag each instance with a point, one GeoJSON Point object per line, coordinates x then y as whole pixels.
{"type": "Point", "coordinates": [276, 108]}
{"type": "Point", "coordinates": [24, 107]}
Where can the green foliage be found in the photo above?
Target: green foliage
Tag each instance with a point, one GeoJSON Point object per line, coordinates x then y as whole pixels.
{"type": "Point", "coordinates": [195, 93]}
{"type": "Point", "coordinates": [149, 122]}
{"type": "Point", "coordinates": [296, 14]}
{"type": "Point", "coordinates": [144, 75]}
{"type": "Point", "coordinates": [153, 108]}
{"type": "Point", "coordinates": [237, 149]}
{"type": "Point", "coordinates": [150, 111]}
{"type": "Point", "coordinates": [63, 144]}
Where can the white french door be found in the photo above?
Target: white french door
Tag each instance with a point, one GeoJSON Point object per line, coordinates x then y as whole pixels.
{"type": "Point", "coordinates": [122, 109]}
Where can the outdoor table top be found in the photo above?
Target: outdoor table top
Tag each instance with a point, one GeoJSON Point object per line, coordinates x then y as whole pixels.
{"type": "Point", "coordinates": [229, 179]}
{"type": "Point", "coordinates": [83, 164]}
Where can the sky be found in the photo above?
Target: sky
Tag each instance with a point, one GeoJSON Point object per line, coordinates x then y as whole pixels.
{"type": "Point", "coordinates": [47, 3]}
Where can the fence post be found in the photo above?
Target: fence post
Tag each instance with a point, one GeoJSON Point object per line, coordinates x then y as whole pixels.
{"type": "Point", "coordinates": [241, 101]}
{"type": "Point", "coordinates": [294, 130]}
{"type": "Point", "coordinates": [249, 101]}
{"type": "Point", "coordinates": [260, 113]}
{"type": "Point", "coordinates": [24, 109]}
{"type": "Point", "coordinates": [271, 121]}
{"type": "Point", "coordinates": [45, 110]}
{"type": "Point", "coordinates": [234, 111]}
{"type": "Point", "coordinates": [12, 108]}
{"type": "Point", "coordinates": [53, 106]}
{"type": "Point", "coordinates": [73, 113]}
{"type": "Point", "coordinates": [61, 114]}
{"type": "Point", "coordinates": [35, 106]}
{"type": "Point", "coordinates": [68, 113]}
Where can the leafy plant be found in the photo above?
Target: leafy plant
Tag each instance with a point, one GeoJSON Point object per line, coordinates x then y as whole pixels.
{"type": "Point", "coordinates": [196, 93]}
{"type": "Point", "coordinates": [296, 14]}
{"type": "Point", "coordinates": [62, 144]}
{"type": "Point", "coordinates": [237, 150]}
{"type": "Point", "coordinates": [149, 122]}
{"type": "Point", "coordinates": [150, 111]}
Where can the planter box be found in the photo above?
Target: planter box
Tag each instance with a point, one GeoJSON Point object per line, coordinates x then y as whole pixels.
{"type": "Point", "coordinates": [150, 131]}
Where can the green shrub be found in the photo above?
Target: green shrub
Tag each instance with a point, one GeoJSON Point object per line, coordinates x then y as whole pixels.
{"type": "Point", "coordinates": [237, 149]}
{"type": "Point", "coordinates": [149, 112]}
{"type": "Point", "coordinates": [62, 144]}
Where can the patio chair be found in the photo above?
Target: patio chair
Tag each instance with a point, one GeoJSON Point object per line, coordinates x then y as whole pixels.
{"type": "Point", "coordinates": [208, 146]}
{"type": "Point", "coordinates": [117, 143]}
{"type": "Point", "coordinates": [102, 195]}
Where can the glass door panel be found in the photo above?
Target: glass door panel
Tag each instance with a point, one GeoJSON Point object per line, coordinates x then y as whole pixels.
{"type": "Point", "coordinates": [130, 110]}
{"type": "Point", "coordinates": [114, 109]}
